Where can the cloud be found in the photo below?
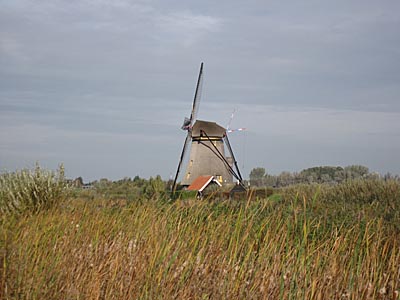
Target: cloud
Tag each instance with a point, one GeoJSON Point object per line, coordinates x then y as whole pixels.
{"type": "Point", "coordinates": [188, 20]}
{"type": "Point", "coordinates": [187, 28]}
{"type": "Point", "coordinates": [320, 78]}
{"type": "Point", "coordinates": [13, 48]}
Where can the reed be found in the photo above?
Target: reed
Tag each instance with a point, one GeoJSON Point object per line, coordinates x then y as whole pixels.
{"type": "Point", "coordinates": [29, 191]}
{"type": "Point", "coordinates": [299, 245]}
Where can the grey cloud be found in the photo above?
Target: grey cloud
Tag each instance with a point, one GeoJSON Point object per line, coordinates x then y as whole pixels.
{"type": "Point", "coordinates": [314, 77]}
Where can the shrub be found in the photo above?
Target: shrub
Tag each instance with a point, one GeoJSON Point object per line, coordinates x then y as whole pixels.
{"type": "Point", "coordinates": [31, 190]}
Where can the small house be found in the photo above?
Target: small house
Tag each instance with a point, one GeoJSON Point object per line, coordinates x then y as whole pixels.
{"type": "Point", "coordinates": [201, 183]}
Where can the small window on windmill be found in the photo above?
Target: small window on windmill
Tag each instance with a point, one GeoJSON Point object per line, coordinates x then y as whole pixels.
{"type": "Point", "coordinates": [191, 163]}
{"type": "Point", "coordinates": [219, 178]}
{"type": "Point", "coordinates": [188, 175]}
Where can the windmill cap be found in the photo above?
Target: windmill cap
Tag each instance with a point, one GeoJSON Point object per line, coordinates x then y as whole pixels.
{"type": "Point", "coordinates": [212, 129]}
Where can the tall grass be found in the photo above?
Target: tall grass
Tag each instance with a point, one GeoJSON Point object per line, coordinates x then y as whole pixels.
{"type": "Point", "coordinates": [280, 248]}
{"type": "Point", "coordinates": [31, 190]}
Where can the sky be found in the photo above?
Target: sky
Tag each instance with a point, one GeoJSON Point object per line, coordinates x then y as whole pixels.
{"type": "Point", "coordinates": [103, 86]}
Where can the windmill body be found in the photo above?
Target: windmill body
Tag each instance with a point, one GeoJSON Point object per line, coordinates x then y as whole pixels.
{"type": "Point", "coordinates": [208, 142]}
{"type": "Point", "coordinates": [206, 153]}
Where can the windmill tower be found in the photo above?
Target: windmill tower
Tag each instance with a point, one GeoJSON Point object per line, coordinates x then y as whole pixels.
{"type": "Point", "coordinates": [208, 141]}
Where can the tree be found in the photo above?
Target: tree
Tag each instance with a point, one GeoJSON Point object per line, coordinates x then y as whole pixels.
{"type": "Point", "coordinates": [78, 182]}
{"type": "Point", "coordinates": [355, 171]}
{"type": "Point", "coordinates": [285, 179]}
{"type": "Point", "coordinates": [321, 174]}
{"type": "Point", "coordinates": [269, 180]}
{"type": "Point", "coordinates": [257, 176]}
{"type": "Point", "coordinates": [154, 188]}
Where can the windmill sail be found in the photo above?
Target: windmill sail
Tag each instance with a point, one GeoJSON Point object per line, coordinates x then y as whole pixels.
{"type": "Point", "coordinates": [185, 146]}
{"type": "Point", "coordinates": [228, 128]}
{"type": "Point", "coordinates": [188, 123]}
{"type": "Point", "coordinates": [197, 96]}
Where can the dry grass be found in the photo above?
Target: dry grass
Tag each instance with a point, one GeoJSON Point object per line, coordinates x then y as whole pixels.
{"type": "Point", "coordinates": [268, 249]}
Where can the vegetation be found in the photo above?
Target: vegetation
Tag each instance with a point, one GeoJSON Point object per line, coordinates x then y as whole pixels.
{"type": "Point", "coordinates": [323, 174]}
{"type": "Point", "coordinates": [31, 190]}
{"type": "Point", "coordinates": [303, 242]}
{"type": "Point", "coordinates": [127, 188]}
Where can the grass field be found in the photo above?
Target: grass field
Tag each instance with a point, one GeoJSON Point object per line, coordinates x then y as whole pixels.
{"type": "Point", "coordinates": [303, 242]}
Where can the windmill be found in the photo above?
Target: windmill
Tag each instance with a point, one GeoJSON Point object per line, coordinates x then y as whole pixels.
{"type": "Point", "coordinates": [207, 152]}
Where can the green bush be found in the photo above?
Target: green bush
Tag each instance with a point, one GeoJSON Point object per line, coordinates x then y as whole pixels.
{"type": "Point", "coordinates": [31, 190]}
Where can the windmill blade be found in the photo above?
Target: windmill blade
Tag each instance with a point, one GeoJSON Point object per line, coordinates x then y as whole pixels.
{"type": "Point", "coordinates": [197, 96]}
{"type": "Point", "coordinates": [185, 146]}
{"type": "Point", "coordinates": [230, 120]}
{"type": "Point", "coordinates": [233, 130]}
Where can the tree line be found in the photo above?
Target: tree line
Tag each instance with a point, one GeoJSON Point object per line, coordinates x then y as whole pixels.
{"type": "Point", "coordinates": [323, 174]}
{"type": "Point", "coordinates": [126, 188]}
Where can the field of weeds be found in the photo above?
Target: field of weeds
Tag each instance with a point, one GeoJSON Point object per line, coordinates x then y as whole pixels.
{"type": "Point", "coordinates": [303, 242]}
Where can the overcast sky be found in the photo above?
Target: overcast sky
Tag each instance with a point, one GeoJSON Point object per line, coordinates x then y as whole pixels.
{"type": "Point", "coordinates": [103, 86]}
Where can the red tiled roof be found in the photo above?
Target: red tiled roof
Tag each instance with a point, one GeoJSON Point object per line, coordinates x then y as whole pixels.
{"type": "Point", "coordinates": [200, 183]}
